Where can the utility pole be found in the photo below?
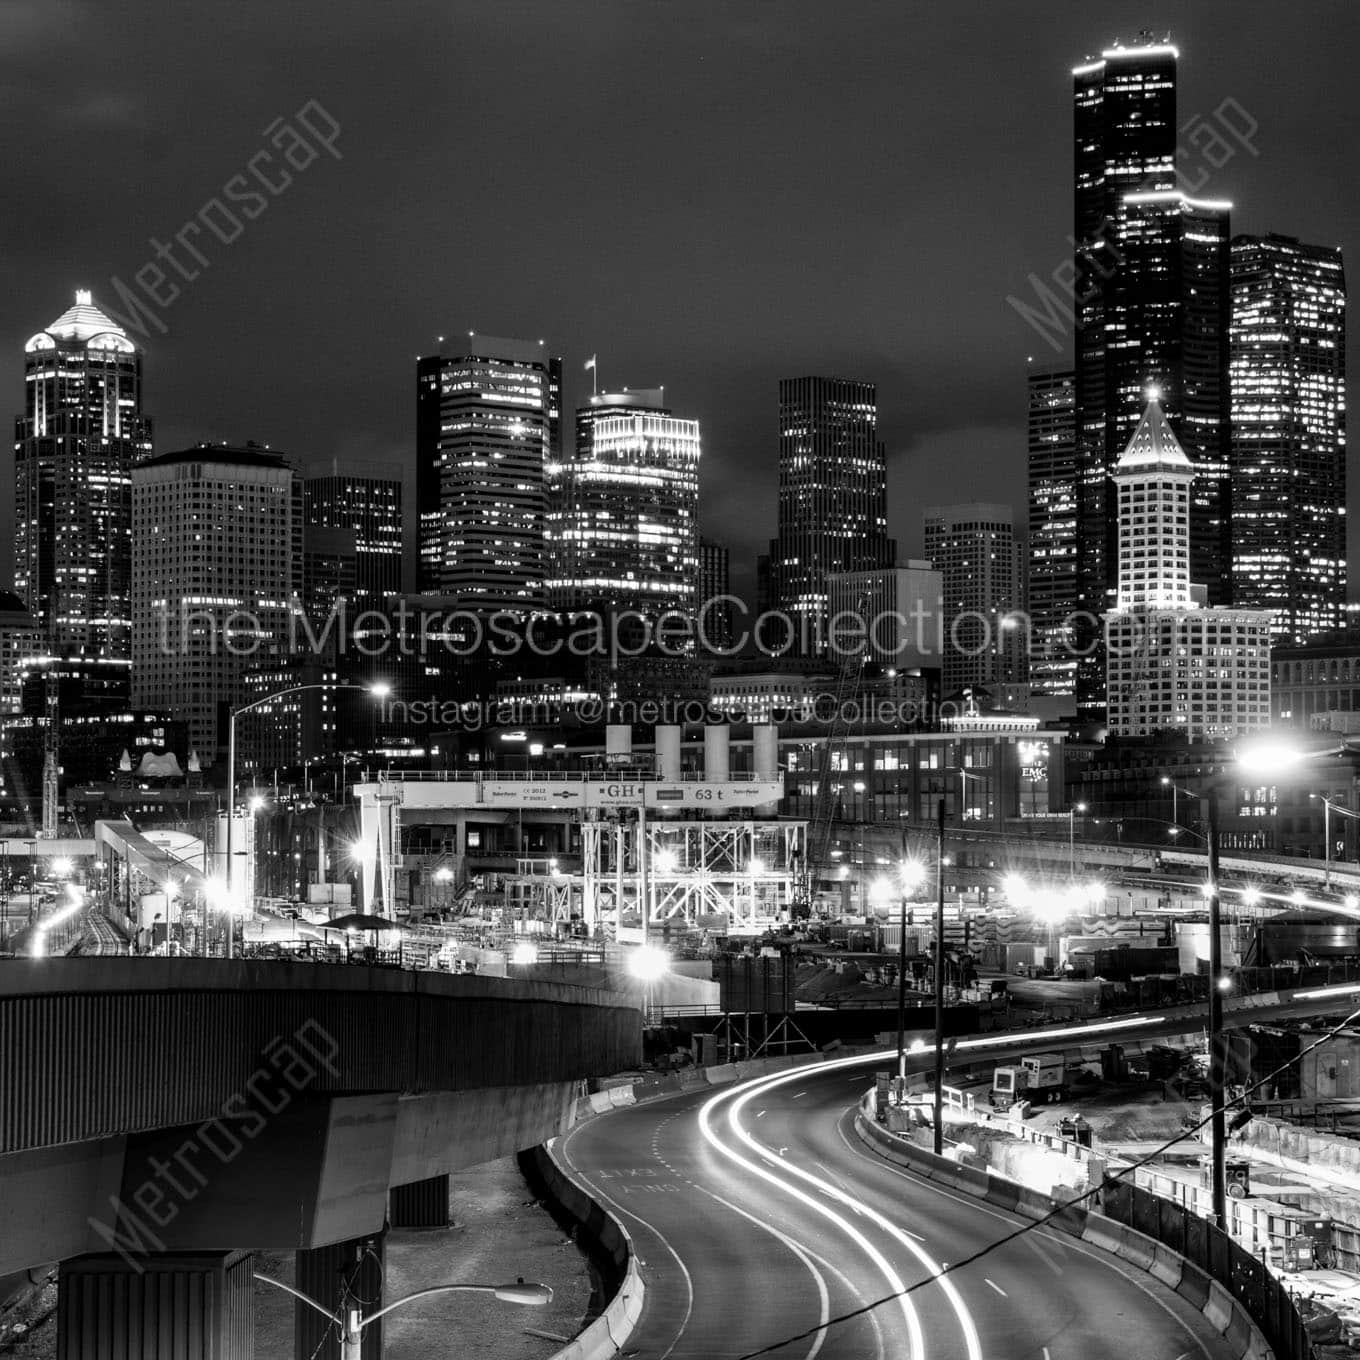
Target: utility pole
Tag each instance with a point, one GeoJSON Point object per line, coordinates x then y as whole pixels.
{"type": "Point", "coordinates": [939, 981]}
{"type": "Point", "coordinates": [1217, 1130]}
{"type": "Point", "coordinates": [902, 979]}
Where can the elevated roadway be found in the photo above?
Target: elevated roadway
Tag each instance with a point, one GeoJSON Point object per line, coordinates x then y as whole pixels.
{"type": "Point", "coordinates": [182, 1105]}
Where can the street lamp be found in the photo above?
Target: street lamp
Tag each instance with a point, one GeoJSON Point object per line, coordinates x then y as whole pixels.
{"type": "Point", "coordinates": [351, 1322]}
{"type": "Point", "coordinates": [1072, 836]}
{"type": "Point", "coordinates": [1330, 805]}
{"type": "Point", "coordinates": [1176, 791]}
{"type": "Point", "coordinates": [911, 874]}
{"type": "Point", "coordinates": [378, 691]}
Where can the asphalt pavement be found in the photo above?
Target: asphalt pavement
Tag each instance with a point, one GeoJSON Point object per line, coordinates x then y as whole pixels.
{"type": "Point", "coordinates": [760, 1219]}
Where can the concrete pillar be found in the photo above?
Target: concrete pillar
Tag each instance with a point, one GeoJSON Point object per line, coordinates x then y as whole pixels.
{"type": "Point", "coordinates": [717, 752]}
{"type": "Point", "coordinates": [337, 1276]}
{"type": "Point", "coordinates": [618, 740]}
{"type": "Point", "coordinates": [765, 757]}
{"type": "Point", "coordinates": [194, 1306]}
{"type": "Point", "coordinates": [421, 1204]}
{"type": "Point", "coordinates": [668, 751]}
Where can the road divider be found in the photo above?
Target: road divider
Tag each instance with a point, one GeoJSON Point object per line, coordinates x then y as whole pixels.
{"type": "Point", "coordinates": [607, 1243]}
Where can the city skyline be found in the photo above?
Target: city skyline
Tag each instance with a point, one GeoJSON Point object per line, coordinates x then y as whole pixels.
{"type": "Point", "coordinates": [940, 400]}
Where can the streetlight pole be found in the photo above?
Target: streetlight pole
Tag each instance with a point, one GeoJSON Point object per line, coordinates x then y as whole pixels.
{"type": "Point", "coordinates": [1217, 1127]}
{"type": "Point", "coordinates": [351, 1321]}
{"type": "Point", "coordinates": [939, 981]}
{"type": "Point", "coordinates": [902, 978]}
{"type": "Point", "coordinates": [1072, 837]}
{"type": "Point", "coordinates": [379, 691]}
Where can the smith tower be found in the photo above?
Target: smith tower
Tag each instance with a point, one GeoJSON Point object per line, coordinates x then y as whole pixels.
{"type": "Point", "coordinates": [80, 434]}
{"type": "Point", "coordinates": [1152, 310]}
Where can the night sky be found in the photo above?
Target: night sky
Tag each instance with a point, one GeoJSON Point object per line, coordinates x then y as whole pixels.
{"type": "Point", "coordinates": [708, 195]}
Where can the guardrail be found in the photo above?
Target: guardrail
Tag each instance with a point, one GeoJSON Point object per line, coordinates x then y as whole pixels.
{"type": "Point", "coordinates": [1237, 1293]}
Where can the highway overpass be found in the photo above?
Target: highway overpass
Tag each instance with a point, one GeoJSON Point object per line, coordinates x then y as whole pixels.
{"type": "Point", "coordinates": [162, 1118]}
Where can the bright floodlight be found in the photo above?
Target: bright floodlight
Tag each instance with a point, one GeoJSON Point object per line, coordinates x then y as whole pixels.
{"type": "Point", "coordinates": [648, 962]}
{"type": "Point", "coordinates": [755, 868]}
{"type": "Point", "coordinates": [531, 1295]}
{"type": "Point", "coordinates": [360, 853]}
{"type": "Point", "coordinates": [665, 861]}
{"type": "Point", "coordinates": [880, 890]}
{"type": "Point", "coordinates": [1298, 897]}
{"type": "Point", "coordinates": [844, 871]}
{"type": "Point", "coordinates": [61, 866]}
{"type": "Point", "coordinates": [1095, 891]}
{"type": "Point", "coordinates": [1206, 890]}
{"type": "Point", "coordinates": [1166, 781]}
{"type": "Point", "coordinates": [1081, 807]}
{"type": "Point", "coordinates": [912, 873]}
{"type": "Point", "coordinates": [381, 690]}
{"type": "Point", "coordinates": [1350, 901]}
{"type": "Point", "coordinates": [1251, 896]}
{"type": "Point", "coordinates": [443, 874]}
{"type": "Point", "coordinates": [917, 1046]}
{"type": "Point", "coordinates": [1269, 757]}
{"type": "Point", "coordinates": [256, 803]}
{"type": "Point", "coordinates": [526, 951]}
{"type": "Point", "coordinates": [1015, 888]}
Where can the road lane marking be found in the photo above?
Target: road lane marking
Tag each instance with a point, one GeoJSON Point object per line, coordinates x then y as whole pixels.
{"type": "Point", "coordinates": [760, 1114]}
{"type": "Point", "coordinates": [800, 1095]}
{"type": "Point", "coordinates": [823, 1294]}
{"type": "Point", "coordinates": [996, 1286]}
{"type": "Point", "coordinates": [660, 1237]}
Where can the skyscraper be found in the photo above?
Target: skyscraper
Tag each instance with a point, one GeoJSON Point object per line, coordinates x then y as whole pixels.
{"type": "Point", "coordinates": [370, 507]}
{"type": "Point", "coordinates": [625, 522]}
{"type": "Point", "coordinates": [715, 581]}
{"type": "Point", "coordinates": [486, 429]}
{"type": "Point", "coordinates": [974, 549]}
{"type": "Point", "coordinates": [1152, 308]}
{"type": "Point", "coordinates": [216, 564]}
{"type": "Point", "coordinates": [81, 432]}
{"type": "Point", "coordinates": [1174, 666]}
{"type": "Point", "coordinates": [833, 498]}
{"type": "Point", "coordinates": [1288, 365]}
{"type": "Point", "coordinates": [1052, 581]}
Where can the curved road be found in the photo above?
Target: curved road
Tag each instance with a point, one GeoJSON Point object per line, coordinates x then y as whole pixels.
{"type": "Point", "coordinates": [758, 1217]}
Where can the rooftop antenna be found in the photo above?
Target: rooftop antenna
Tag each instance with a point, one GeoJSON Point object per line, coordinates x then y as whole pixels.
{"type": "Point", "coordinates": [593, 365]}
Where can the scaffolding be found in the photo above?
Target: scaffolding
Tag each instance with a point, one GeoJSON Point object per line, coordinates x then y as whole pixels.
{"type": "Point", "coordinates": [744, 871]}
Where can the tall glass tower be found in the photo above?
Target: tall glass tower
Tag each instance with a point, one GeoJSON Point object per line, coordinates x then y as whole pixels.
{"type": "Point", "coordinates": [1052, 562]}
{"type": "Point", "coordinates": [833, 496]}
{"type": "Point", "coordinates": [80, 434]}
{"type": "Point", "coordinates": [1152, 310]}
{"type": "Point", "coordinates": [1288, 365]}
{"type": "Point", "coordinates": [624, 531]}
{"type": "Point", "coordinates": [487, 427]}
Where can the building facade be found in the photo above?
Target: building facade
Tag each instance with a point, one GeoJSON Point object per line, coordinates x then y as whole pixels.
{"type": "Point", "coordinates": [81, 433]}
{"type": "Point", "coordinates": [217, 535]}
{"type": "Point", "coordinates": [1152, 289]}
{"type": "Point", "coordinates": [487, 429]}
{"type": "Point", "coordinates": [368, 507]}
{"type": "Point", "coordinates": [715, 611]}
{"type": "Point", "coordinates": [901, 611]}
{"type": "Point", "coordinates": [1288, 366]}
{"type": "Point", "coordinates": [833, 498]}
{"type": "Point", "coordinates": [1052, 581]}
{"type": "Point", "coordinates": [624, 524]}
{"type": "Point", "coordinates": [983, 636]}
{"type": "Point", "coordinates": [1175, 666]}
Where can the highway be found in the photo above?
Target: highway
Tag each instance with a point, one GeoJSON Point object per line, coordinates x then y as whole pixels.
{"type": "Point", "coordinates": [758, 1216]}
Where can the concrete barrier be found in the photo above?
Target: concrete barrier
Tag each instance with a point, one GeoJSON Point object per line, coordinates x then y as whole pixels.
{"type": "Point", "coordinates": [1224, 1313]}
{"type": "Point", "coordinates": [607, 1241]}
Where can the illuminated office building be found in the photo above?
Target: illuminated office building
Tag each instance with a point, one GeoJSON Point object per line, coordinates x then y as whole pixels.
{"type": "Point", "coordinates": [1152, 308]}
{"type": "Point", "coordinates": [81, 433]}
{"type": "Point", "coordinates": [715, 582]}
{"type": "Point", "coordinates": [1052, 571]}
{"type": "Point", "coordinates": [216, 567]}
{"type": "Point", "coordinates": [833, 499]}
{"type": "Point", "coordinates": [1174, 665]}
{"type": "Point", "coordinates": [974, 549]}
{"type": "Point", "coordinates": [487, 429]}
{"type": "Point", "coordinates": [626, 536]}
{"type": "Point", "coordinates": [369, 507]}
{"type": "Point", "coordinates": [1288, 365]}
